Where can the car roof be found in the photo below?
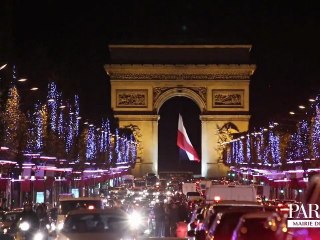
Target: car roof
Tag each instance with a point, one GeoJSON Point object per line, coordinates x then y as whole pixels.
{"type": "Point", "coordinates": [237, 203]}
{"type": "Point", "coordinates": [254, 215]}
{"type": "Point", "coordinates": [17, 210]}
{"type": "Point", "coordinates": [100, 211]}
{"type": "Point", "coordinates": [79, 199]}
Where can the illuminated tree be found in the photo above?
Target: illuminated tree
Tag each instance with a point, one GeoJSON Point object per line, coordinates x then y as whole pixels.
{"type": "Point", "coordinates": [315, 134]}
{"type": "Point", "coordinates": [37, 131]}
{"type": "Point", "coordinates": [91, 144]}
{"type": "Point", "coordinates": [52, 99]}
{"type": "Point", "coordinates": [12, 119]}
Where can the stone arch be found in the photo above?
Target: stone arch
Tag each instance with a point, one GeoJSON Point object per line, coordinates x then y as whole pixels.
{"type": "Point", "coordinates": [215, 77]}
{"type": "Point", "coordinates": [179, 92]}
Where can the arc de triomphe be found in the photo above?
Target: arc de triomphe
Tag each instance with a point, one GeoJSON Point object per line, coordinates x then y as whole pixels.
{"type": "Point", "coordinates": [215, 77]}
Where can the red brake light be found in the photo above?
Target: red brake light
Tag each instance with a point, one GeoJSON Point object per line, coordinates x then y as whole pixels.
{"type": "Point", "coordinates": [90, 207]}
{"type": "Point", "coordinates": [216, 198]}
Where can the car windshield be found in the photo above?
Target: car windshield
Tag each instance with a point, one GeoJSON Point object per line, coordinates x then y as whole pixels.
{"type": "Point", "coordinates": [221, 208]}
{"type": "Point", "coordinates": [10, 216]}
{"type": "Point", "coordinates": [256, 227]}
{"type": "Point", "coordinates": [95, 222]}
{"type": "Point", "coordinates": [225, 224]}
{"type": "Point", "coordinates": [67, 206]}
{"type": "Point", "coordinates": [196, 194]}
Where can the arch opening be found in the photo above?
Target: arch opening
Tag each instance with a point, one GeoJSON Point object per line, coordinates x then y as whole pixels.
{"type": "Point", "coordinates": [170, 158]}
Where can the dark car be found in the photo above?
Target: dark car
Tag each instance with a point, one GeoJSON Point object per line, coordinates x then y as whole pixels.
{"type": "Point", "coordinates": [262, 225]}
{"type": "Point", "coordinates": [210, 215]}
{"type": "Point", "coordinates": [224, 224]}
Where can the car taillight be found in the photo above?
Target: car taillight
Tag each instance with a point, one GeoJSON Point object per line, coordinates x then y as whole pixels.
{"type": "Point", "coordinates": [90, 207]}
{"type": "Point", "coordinates": [217, 198]}
{"type": "Point", "coordinates": [284, 209]}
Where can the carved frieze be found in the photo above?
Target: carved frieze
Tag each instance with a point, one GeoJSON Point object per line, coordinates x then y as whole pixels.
{"type": "Point", "coordinates": [222, 98]}
{"type": "Point", "coordinates": [136, 98]}
{"type": "Point", "coordinates": [151, 76]}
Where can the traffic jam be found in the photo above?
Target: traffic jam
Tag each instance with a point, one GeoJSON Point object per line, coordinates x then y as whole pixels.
{"type": "Point", "coordinates": [152, 207]}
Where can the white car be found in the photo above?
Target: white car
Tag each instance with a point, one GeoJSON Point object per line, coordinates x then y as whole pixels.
{"type": "Point", "coordinates": [99, 224]}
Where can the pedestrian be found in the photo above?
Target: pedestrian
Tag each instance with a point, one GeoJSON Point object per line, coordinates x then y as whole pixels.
{"type": "Point", "coordinates": [159, 214]}
{"type": "Point", "coordinates": [3, 205]}
{"type": "Point", "coordinates": [173, 218]}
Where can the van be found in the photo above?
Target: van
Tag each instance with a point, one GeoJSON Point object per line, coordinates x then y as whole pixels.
{"type": "Point", "coordinates": [67, 204]}
{"type": "Point", "coordinates": [189, 187]}
{"type": "Point", "coordinates": [217, 193]}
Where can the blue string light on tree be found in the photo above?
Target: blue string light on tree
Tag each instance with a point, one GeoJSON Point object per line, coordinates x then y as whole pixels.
{"type": "Point", "coordinates": [229, 154]}
{"type": "Point", "coordinates": [274, 147]}
{"type": "Point", "coordinates": [52, 99]}
{"type": "Point", "coordinates": [77, 115]}
{"type": "Point", "coordinates": [293, 150]}
{"type": "Point", "coordinates": [91, 149]}
{"type": "Point", "coordinates": [133, 149]}
{"type": "Point", "coordinates": [117, 146]}
{"type": "Point", "coordinates": [303, 139]}
{"type": "Point", "coordinates": [315, 137]}
{"type": "Point", "coordinates": [240, 159]}
{"type": "Point", "coordinates": [248, 148]}
{"type": "Point", "coordinates": [124, 151]}
{"type": "Point", "coordinates": [70, 130]}
{"type": "Point", "coordinates": [104, 137]}
{"type": "Point", "coordinates": [14, 75]}
{"type": "Point", "coordinates": [39, 127]}
{"type": "Point", "coordinates": [60, 117]}
{"type": "Point", "coordinates": [122, 148]}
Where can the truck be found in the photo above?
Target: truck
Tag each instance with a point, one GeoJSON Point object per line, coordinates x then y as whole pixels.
{"type": "Point", "coordinates": [217, 193]}
{"type": "Point", "coordinates": [205, 184]}
{"type": "Point", "coordinates": [189, 187]}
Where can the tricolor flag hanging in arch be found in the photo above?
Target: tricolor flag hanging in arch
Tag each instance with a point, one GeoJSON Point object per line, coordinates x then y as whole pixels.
{"type": "Point", "coordinates": [184, 143]}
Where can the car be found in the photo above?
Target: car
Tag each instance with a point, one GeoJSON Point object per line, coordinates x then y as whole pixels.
{"type": "Point", "coordinates": [9, 218]}
{"type": "Point", "coordinates": [67, 204]}
{"type": "Point", "coordinates": [99, 224]}
{"type": "Point", "coordinates": [224, 224]}
{"type": "Point", "coordinates": [262, 225]}
{"type": "Point", "coordinates": [210, 213]}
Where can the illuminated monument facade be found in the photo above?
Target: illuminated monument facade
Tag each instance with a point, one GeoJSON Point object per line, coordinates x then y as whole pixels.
{"type": "Point", "coordinates": [215, 77]}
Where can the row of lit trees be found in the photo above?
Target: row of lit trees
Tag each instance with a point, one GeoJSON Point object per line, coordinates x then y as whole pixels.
{"type": "Point", "coordinates": [276, 146]}
{"type": "Point", "coordinates": [54, 128]}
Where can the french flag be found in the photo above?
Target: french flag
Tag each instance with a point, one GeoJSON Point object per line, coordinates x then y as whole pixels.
{"type": "Point", "coordinates": [184, 143]}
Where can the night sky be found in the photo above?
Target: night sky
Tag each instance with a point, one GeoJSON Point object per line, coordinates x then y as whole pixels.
{"type": "Point", "coordinates": [67, 41]}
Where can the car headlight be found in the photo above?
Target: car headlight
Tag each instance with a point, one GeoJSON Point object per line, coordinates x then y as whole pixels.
{"type": "Point", "coordinates": [5, 230]}
{"type": "Point", "coordinates": [60, 226]}
{"type": "Point", "coordinates": [24, 226]}
{"type": "Point", "coordinates": [135, 220]}
{"type": "Point", "coordinates": [38, 236]}
{"type": "Point", "coordinates": [53, 226]}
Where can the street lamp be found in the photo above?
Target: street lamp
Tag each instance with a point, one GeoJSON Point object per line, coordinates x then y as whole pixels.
{"type": "Point", "coordinates": [3, 66]}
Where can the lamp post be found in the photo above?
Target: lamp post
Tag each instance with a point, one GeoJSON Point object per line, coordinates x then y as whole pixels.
{"type": "Point", "coordinates": [32, 179]}
{"type": "Point", "coordinates": [3, 66]}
